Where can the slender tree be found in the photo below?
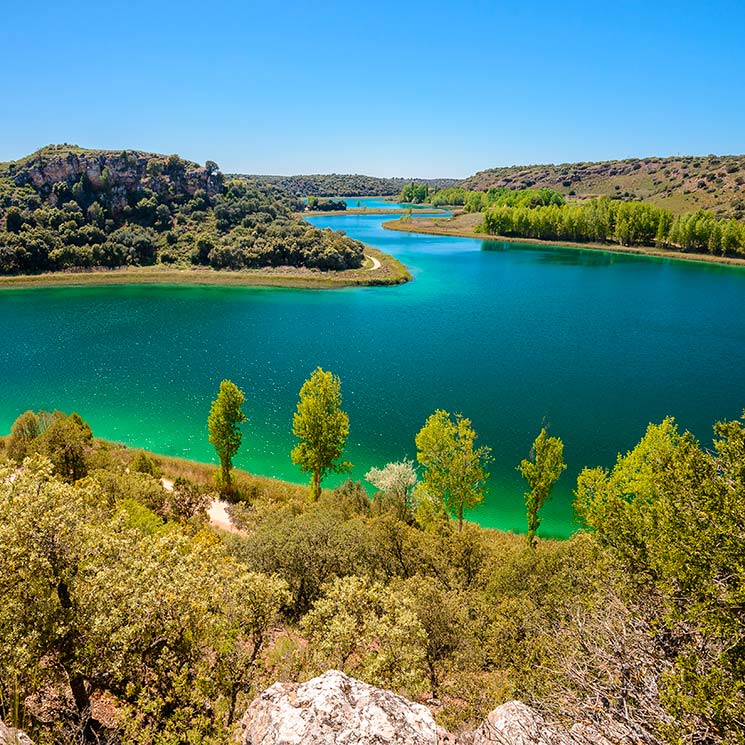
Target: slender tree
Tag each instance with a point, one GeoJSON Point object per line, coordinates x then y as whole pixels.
{"type": "Point", "coordinates": [322, 428]}
{"type": "Point", "coordinates": [225, 434]}
{"type": "Point", "coordinates": [541, 470]}
{"type": "Point", "coordinates": [455, 470]}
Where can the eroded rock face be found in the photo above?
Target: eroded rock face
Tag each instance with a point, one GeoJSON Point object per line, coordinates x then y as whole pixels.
{"type": "Point", "coordinates": [12, 736]}
{"type": "Point", "coordinates": [336, 709]}
{"type": "Point", "coordinates": [514, 723]}
{"type": "Point", "coordinates": [122, 173]}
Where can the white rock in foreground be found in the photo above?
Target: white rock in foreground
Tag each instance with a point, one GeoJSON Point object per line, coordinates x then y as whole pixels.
{"type": "Point", "coordinates": [335, 709]}
{"type": "Point", "coordinates": [11, 736]}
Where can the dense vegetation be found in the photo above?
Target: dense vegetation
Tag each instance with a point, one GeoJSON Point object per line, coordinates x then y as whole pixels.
{"type": "Point", "coordinates": [343, 185]}
{"type": "Point", "coordinates": [627, 223]}
{"type": "Point", "coordinates": [680, 184]}
{"type": "Point", "coordinates": [476, 201]}
{"type": "Point", "coordinates": [325, 205]}
{"type": "Point", "coordinates": [66, 208]}
{"type": "Point", "coordinates": [126, 619]}
{"type": "Point", "coordinates": [414, 193]}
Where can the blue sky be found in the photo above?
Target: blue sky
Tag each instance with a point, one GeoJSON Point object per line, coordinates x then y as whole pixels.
{"type": "Point", "coordinates": [385, 88]}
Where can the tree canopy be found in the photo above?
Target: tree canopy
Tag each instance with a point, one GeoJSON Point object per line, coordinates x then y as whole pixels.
{"type": "Point", "coordinates": [322, 428]}
{"type": "Point", "coordinates": [224, 433]}
{"type": "Point", "coordinates": [454, 468]}
{"type": "Point", "coordinates": [541, 471]}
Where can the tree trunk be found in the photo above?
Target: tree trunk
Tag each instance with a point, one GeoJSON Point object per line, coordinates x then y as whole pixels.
{"type": "Point", "coordinates": [316, 488]}
{"type": "Point", "coordinates": [231, 708]}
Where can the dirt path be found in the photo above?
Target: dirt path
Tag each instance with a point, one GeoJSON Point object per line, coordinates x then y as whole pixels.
{"type": "Point", "coordinates": [376, 263]}
{"type": "Point", "coordinates": [217, 511]}
{"type": "Point", "coordinates": [219, 516]}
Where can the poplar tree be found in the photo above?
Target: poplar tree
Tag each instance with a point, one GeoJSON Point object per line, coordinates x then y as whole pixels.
{"type": "Point", "coordinates": [225, 434]}
{"type": "Point", "coordinates": [541, 470]}
{"type": "Point", "coordinates": [455, 470]}
{"type": "Point", "coordinates": [322, 428]}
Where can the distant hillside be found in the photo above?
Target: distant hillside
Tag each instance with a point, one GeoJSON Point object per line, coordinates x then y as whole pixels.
{"type": "Point", "coordinates": [680, 184]}
{"type": "Point", "coordinates": [345, 185]}
{"type": "Point", "coordinates": [65, 207]}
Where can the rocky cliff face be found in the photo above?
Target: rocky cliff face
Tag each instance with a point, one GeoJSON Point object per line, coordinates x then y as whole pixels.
{"type": "Point", "coordinates": [121, 173]}
{"type": "Point", "coordinates": [335, 709]}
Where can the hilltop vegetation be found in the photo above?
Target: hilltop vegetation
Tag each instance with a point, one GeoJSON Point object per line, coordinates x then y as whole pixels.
{"type": "Point", "coordinates": [343, 185]}
{"type": "Point", "coordinates": [680, 184]}
{"type": "Point", "coordinates": [66, 208]}
{"type": "Point", "coordinates": [126, 618]}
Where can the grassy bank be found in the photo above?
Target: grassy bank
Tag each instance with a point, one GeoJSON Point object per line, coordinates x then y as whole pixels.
{"type": "Point", "coordinates": [464, 226]}
{"type": "Point", "coordinates": [390, 272]}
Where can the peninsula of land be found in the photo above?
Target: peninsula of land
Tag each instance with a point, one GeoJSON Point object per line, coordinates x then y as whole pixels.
{"type": "Point", "coordinates": [465, 225]}
{"type": "Point", "coordinates": [71, 216]}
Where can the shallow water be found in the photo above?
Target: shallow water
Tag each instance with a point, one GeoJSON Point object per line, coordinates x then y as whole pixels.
{"type": "Point", "coordinates": [595, 344]}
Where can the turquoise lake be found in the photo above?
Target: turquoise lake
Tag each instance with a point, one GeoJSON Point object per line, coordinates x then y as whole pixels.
{"type": "Point", "coordinates": [594, 344]}
{"type": "Point", "coordinates": [378, 203]}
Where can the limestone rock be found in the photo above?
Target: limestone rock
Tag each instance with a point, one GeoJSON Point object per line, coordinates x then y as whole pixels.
{"type": "Point", "coordinates": [514, 723]}
{"type": "Point", "coordinates": [12, 736]}
{"type": "Point", "coordinates": [334, 709]}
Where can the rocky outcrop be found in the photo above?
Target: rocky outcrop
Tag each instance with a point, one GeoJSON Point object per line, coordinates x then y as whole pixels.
{"type": "Point", "coordinates": [12, 736]}
{"type": "Point", "coordinates": [514, 723]}
{"type": "Point", "coordinates": [335, 709]}
{"type": "Point", "coordinates": [120, 173]}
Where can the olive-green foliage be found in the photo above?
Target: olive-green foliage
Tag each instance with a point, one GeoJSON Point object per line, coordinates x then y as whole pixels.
{"type": "Point", "coordinates": [118, 484]}
{"type": "Point", "coordinates": [24, 431]}
{"type": "Point", "coordinates": [455, 470]}
{"type": "Point", "coordinates": [369, 630]}
{"type": "Point", "coordinates": [306, 548]}
{"type": "Point", "coordinates": [541, 471]}
{"type": "Point", "coordinates": [166, 625]}
{"type": "Point", "coordinates": [443, 614]}
{"type": "Point", "coordinates": [322, 428]}
{"type": "Point", "coordinates": [224, 433]}
{"type": "Point", "coordinates": [188, 500]}
{"type": "Point", "coordinates": [143, 463]}
{"type": "Point", "coordinates": [65, 440]}
{"type": "Point", "coordinates": [674, 517]}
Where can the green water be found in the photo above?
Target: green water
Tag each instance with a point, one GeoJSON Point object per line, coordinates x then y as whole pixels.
{"type": "Point", "coordinates": [596, 344]}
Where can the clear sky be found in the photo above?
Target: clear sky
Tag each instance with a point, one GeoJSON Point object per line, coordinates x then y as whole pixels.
{"type": "Point", "coordinates": [384, 88]}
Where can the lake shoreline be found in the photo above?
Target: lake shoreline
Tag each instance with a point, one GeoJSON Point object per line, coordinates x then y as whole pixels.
{"type": "Point", "coordinates": [429, 228]}
{"type": "Point", "coordinates": [389, 272]}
